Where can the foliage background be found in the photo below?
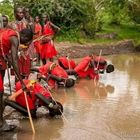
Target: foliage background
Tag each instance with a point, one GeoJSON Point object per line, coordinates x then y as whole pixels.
{"type": "Point", "coordinates": [81, 18]}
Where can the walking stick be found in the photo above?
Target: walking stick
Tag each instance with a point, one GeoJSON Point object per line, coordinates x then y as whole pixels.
{"type": "Point", "coordinates": [96, 84]}
{"type": "Point", "coordinates": [17, 93]}
{"type": "Point", "coordinates": [9, 80]}
{"type": "Point", "coordinates": [68, 62]}
{"type": "Point", "coordinates": [29, 113]}
{"type": "Point", "coordinates": [99, 58]}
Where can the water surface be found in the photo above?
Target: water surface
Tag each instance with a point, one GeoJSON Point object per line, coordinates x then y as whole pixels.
{"type": "Point", "coordinates": [104, 110]}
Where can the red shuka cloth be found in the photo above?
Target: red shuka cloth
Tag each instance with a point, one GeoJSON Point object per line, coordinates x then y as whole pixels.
{"type": "Point", "coordinates": [57, 71]}
{"type": "Point", "coordinates": [48, 49]}
{"type": "Point", "coordinates": [83, 70]}
{"type": "Point", "coordinates": [5, 47]}
{"type": "Point", "coordinates": [5, 43]}
{"type": "Point", "coordinates": [31, 98]}
{"type": "Point", "coordinates": [38, 33]}
{"type": "Point", "coordinates": [67, 63]}
{"type": "Point", "coordinates": [24, 65]}
{"type": "Point", "coordinates": [47, 29]}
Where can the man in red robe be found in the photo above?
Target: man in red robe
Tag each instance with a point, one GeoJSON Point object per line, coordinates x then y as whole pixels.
{"type": "Point", "coordinates": [25, 55]}
{"type": "Point", "coordinates": [29, 19]}
{"type": "Point", "coordinates": [38, 33]}
{"type": "Point", "coordinates": [37, 97]}
{"type": "Point", "coordinates": [85, 69]}
{"type": "Point", "coordinates": [48, 50]}
{"type": "Point", "coordinates": [9, 42]}
{"type": "Point", "coordinates": [54, 75]}
{"type": "Point", "coordinates": [91, 66]}
{"type": "Point", "coordinates": [20, 23]}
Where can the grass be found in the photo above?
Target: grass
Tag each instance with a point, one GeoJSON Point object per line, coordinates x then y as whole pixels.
{"type": "Point", "coordinates": [123, 31]}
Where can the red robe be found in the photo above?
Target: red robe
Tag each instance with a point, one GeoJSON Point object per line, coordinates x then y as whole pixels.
{"type": "Point", "coordinates": [84, 70]}
{"type": "Point", "coordinates": [5, 47]}
{"type": "Point", "coordinates": [37, 88]}
{"type": "Point", "coordinates": [47, 30]}
{"type": "Point", "coordinates": [24, 65]}
{"type": "Point", "coordinates": [67, 63]}
{"type": "Point", "coordinates": [5, 35]}
{"type": "Point", "coordinates": [57, 71]}
{"type": "Point", "coordinates": [48, 49]}
{"type": "Point", "coordinates": [38, 33]}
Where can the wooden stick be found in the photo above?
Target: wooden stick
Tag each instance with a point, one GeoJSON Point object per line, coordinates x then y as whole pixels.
{"type": "Point", "coordinates": [14, 95]}
{"type": "Point", "coordinates": [68, 62]}
{"type": "Point", "coordinates": [29, 113]}
{"type": "Point", "coordinates": [99, 59]}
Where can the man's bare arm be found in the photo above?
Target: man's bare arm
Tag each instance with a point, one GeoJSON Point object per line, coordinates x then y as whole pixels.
{"type": "Point", "coordinates": [14, 57]}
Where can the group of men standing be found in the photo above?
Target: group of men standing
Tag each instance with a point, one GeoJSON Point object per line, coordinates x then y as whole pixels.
{"type": "Point", "coordinates": [19, 40]}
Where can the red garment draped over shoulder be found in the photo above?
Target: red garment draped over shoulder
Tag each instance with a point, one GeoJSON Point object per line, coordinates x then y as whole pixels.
{"type": "Point", "coordinates": [37, 89]}
{"type": "Point", "coordinates": [83, 70]}
{"type": "Point", "coordinates": [5, 35]}
{"type": "Point", "coordinates": [60, 72]}
{"type": "Point", "coordinates": [83, 65]}
{"type": "Point", "coordinates": [67, 63]}
{"type": "Point", "coordinates": [44, 70]}
{"type": "Point", "coordinates": [57, 71]}
{"type": "Point", "coordinates": [5, 47]}
{"type": "Point", "coordinates": [48, 29]}
{"type": "Point", "coordinates": [21, 98]}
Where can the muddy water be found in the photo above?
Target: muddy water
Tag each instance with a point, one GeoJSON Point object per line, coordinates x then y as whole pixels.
{"type": "Point", "coordinates": [104, 110]}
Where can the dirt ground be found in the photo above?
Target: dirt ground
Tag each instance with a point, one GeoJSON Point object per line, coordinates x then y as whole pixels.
{"type": "Point", "coordinates": [75, 50]}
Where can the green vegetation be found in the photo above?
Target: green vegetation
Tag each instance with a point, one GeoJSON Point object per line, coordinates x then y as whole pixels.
{"type": "Point", "coordinates": [82, 20]}
{"type": "Point", "coordinates": [123, 31]}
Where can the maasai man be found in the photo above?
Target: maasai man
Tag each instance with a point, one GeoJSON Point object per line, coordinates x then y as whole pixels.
{"type": "Point", "coordinates": [54, 75]}
{"type": "Point", "coordinates": [20, 22]}
{"type": "Point", "coordinates": [24, 53]}
{"type": "Point", "coordinates": [37, 97]}
{"type": "Point", "coordinates": [91, 66]}
{"type": "Point", "coordinates": [29, 19]}
{"type": "Point", "coordinates": [5, 21]}
{"type": "Point", "coordinates": [84, 69]}
{"type": "Point", "coordinates": [38, 33]}
{"type": "Point", "coordinates": [48, 50]}
{"type": "Point", "coordinates": [9, 42]}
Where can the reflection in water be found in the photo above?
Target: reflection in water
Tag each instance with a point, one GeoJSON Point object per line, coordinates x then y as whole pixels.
{"type": "Point", "coordinates": [104, 110]}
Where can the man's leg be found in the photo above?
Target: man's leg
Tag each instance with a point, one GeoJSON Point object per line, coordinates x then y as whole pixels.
{"type": "Point", "coordinates": [1, 98]}
{"type": "Point", "coordinates": [4, 127]}
{"type": "Point", "coordinates": [44, 61]}
{"type": "Point", "coordinates": [1, 109]}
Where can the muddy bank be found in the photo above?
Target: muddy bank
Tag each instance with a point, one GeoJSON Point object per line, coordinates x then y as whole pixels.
{"type": "Point", "coordinates": [75, 50]}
